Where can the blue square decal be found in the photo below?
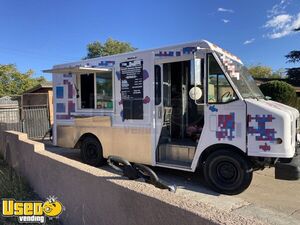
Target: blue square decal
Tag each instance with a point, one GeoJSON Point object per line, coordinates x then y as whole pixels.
{"type": "Point", "coordinates": [60, 107]}
{"type": "Point", "coordinates": [59, 92]}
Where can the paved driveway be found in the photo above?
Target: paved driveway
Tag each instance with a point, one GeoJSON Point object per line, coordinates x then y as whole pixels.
{"type": "Point", "coordinates": [273, 201]}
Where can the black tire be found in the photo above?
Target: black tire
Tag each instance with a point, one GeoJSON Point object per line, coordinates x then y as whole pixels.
{"type": "Point", "coordinates": [227, 172]}
{"type": "Point", "coordinates": [91, 151]}
{"type": "Point", "coordinates": [146, 173]}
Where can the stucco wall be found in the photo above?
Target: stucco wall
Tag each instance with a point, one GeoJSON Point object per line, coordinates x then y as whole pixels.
{"type": "Point", "coordinates": [91, 195]}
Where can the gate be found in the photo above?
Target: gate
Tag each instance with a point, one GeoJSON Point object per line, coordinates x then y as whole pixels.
{"type": "Point", "coordinates": [31, 119]}
{"type": "Point", "coordinates": [36, 121]}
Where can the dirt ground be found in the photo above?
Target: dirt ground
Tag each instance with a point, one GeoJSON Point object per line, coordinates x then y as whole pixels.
{"type": "Point", "coordinates": [272, 201]}
{"type": "Point", "coordinates": [14, 186]}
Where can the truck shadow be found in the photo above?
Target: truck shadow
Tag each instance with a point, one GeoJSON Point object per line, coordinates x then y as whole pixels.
{"type": "Point", "coordinates": [192, 182]}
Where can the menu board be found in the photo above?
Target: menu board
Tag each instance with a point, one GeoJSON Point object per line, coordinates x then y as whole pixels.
{"type": "Point", "coordinates": [132, 89]}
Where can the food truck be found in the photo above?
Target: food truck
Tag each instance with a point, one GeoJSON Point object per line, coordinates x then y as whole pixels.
{"type": "Point", "coordinates": [183, 107]}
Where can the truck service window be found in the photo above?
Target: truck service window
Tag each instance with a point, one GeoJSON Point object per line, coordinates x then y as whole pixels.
{"type": "Point", "coordinates": [219, 89]}
{"type": "Point", "coordinates": [96, 91]}
{"type": "Point", "coordinates": [104, 91]}
{"type": "Point", "coordinates": [87, 91]}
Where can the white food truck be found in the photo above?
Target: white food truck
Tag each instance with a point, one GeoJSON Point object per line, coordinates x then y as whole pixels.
{"type": "Point", "coordinates": [181, 107]}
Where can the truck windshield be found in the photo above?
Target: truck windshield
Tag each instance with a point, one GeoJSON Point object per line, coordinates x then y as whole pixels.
{"type": "Point", "coordinates": [241, 78]}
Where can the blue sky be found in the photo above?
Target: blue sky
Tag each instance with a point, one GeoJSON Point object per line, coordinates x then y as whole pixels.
{"type": "Point", "coordinates": [36, 34]}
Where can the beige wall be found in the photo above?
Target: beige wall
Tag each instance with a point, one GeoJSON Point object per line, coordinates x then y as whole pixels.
{"type": "Point", "coordinates": [94, 196]}
{"type": "Point", "coordinates": [51, 112]}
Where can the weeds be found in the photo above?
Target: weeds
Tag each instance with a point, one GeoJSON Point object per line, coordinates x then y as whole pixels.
{"type": "Point", "coordinates": [14, 186]}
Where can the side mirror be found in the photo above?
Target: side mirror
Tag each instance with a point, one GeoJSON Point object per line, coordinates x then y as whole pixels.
{"type": "Point", "coordinates": [195, 72]}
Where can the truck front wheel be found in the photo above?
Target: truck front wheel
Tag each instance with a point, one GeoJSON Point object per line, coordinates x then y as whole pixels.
{"type": "Point", "coordinates": [91, 151]}
{"type": "Point", "coordinates": [227, 172]}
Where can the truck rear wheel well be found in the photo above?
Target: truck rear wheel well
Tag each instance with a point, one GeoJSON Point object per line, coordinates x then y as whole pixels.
{"type": "Point", "coordinates": [79, 142]}
{"type": "Point", "coordinates": [217, 147]}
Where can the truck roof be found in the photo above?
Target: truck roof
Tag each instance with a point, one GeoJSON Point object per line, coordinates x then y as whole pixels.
{"type": "Point", "coordinates": [200, 43]}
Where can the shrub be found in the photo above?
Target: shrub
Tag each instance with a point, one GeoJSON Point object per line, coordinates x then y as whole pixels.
{"type": "Point", "coordinates": [280, 91]}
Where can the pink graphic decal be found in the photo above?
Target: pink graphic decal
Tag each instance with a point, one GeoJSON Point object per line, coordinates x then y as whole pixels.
{"type": "Point", "coordinates": [265, 147]}
{"type": "Point", "coordinates": [263, 133]}
{"type": "Point", "coordinates": [71, 106]}
{"type": "Point", "coordinates": [64, 109]}
{"type": "Point", "coordinates": [226, 127]}
{"type": "Point", "coordinates": [230, 66]}
{"type": "Point", "coordinates": [70, 88]}
{"type": "Point", "coordinates": [146, 100]}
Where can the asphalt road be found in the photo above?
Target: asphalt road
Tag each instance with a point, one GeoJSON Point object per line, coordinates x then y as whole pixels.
{"type": "Point", "coordinates": [272, 201]}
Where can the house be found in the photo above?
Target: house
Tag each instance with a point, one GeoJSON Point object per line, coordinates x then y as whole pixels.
{"type": "Point", "coordinates": [40, 95]}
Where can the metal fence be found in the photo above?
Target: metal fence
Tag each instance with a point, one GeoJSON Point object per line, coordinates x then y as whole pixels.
{"type": "Point", "coordinates": [36, 121]}
{"type": "Point", "coordinates": [30, 119]}
{"type": "Point", "coordinates": [10, 119]}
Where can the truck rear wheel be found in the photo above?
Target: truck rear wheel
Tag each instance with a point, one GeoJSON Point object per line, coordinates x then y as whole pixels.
{"type": "Point", "coordinates": [91, 152]}
{"type": "Point", "coordinates": [227, 172]}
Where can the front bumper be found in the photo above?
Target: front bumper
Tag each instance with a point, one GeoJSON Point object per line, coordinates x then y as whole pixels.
{"type": "Point", "coordinates": [288, 169]}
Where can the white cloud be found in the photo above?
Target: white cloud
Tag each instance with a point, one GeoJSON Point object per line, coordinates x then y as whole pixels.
{"type": "Point", "coordinates": [278, 8]}
{"type": "Point", "coordinates": [279, 22]}
{"type": "Point", "coordinates": [282, 25]}
{"type": "Point", "coordinates": [249, 41]}
{"type": "Point", "coordinates": [225, 20]}
{"type": "Point", "coordinates": [296, 23]}
{"type": "Point", "coordinates": [225, 10]}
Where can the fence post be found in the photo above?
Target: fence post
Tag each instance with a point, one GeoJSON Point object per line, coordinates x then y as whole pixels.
{"type": "Point", "coordinates": [22, 116]}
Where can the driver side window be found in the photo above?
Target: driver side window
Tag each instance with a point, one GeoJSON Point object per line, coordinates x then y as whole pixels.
{"type": "Point", "coordinates": [219, 89]}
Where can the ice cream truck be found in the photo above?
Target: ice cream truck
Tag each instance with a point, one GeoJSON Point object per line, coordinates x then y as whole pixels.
{"type": "Point", "coordinates": [182, 107]}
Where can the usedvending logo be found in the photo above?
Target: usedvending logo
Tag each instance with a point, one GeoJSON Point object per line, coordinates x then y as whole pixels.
{"type": "Point", "coordinates": [32, 211]}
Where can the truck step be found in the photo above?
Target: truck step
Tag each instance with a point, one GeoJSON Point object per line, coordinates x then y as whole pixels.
{"type": "Point", "coordinates": [181, 155]}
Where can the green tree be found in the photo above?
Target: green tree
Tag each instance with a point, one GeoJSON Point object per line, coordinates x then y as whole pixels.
{"type": "Point", "coordinates": [280, 91]}
{"type": "Point", "coordinates": [293, 57]}
{"type": "Point", "coordinates": [110, 47]}
{"type": "Point", "coordinates": [264, 72]}
{"type": "Point", "coordinates": [13, 82]}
